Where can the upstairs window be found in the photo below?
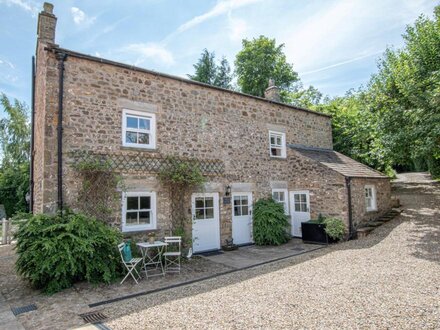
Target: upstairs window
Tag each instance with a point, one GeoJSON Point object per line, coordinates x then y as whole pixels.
{"type": "Point", "coordinates": [277, 144]}
{"type": "Point", "coordinates": [138, 129]}
{"type": "Point", "coordinates": [370, 198]}
{"type": "Point", "coordinates": [280, 196]}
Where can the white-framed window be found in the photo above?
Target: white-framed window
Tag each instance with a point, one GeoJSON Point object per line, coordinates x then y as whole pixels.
{"type": "Point", "coordinates": [300, 202]}
{"type": "Point", "coordinates": [138, 129]}
{"type": "Point", "coordinates": [138, 211]}
{"type": "Point", "coordinates": [370, 197]}
{"type": "Point", "coordinates": [277, 144]}
{"type": "Point", "coordinates": [280, 196]}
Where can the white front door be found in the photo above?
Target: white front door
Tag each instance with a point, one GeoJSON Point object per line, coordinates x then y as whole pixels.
{"type": "Point", "coordinates": [242, 218]}
{"type": "Point", "coordinates": [299, 210]}
{"type": "Point", "coordinates": [206, 224]}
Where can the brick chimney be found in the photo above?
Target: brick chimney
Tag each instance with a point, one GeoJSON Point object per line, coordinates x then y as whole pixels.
{"type": "Point", "coordinates": [47, 22]}
{"type": "Point", "coordinates": [272, 92]}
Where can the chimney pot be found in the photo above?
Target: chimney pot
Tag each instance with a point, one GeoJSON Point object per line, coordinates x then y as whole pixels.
{"type": "Point", "coordinates": [272, 92]}
{"type": "Point", "coordinates": [48, 8]}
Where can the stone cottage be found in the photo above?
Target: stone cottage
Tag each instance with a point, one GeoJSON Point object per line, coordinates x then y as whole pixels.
{"type": "Point", "coordinates": [248, 147]}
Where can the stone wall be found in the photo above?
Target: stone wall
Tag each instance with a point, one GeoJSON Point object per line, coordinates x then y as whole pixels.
{"type": "Point", "coordinates": [383, 199]}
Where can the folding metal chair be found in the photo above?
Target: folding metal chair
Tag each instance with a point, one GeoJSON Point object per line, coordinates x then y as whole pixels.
{"type": "Point", "coordinates": [172, 254]}
{"type": "Point", "coordinates": [130, 265]}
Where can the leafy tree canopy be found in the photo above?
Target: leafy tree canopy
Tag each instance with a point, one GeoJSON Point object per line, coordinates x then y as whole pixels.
{"type": "Point", "coordinates": [208, 72]}
{"type": "Point", "coordinates": [15, 148]}
{"type": "Point", "coordinates": [260, 60]}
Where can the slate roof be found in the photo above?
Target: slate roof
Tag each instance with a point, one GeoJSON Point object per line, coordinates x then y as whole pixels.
{"type": "Point", "coordinates": [338, 162]}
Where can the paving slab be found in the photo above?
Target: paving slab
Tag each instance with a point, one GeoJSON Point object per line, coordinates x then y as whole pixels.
{"type": "Point", "coordinates": [251, 255]}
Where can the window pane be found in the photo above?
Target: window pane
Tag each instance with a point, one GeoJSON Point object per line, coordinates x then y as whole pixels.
{"type": "Point", "coordinates": [245, 210]}
{"type": "Point", "coordinates": [132, 203]}
{"type": "Point", "coordinates": [144, 123]}
{"type": "Point", "coordinates": [303, 198]}
{"type": "Point", "coordinates": [131, 137]}
{"type": "Point", "coordinates": [131, 218]}
{"type": "Point", "coordinates": [297, 198]}
{"type": "Point", "coordinates": [275, 152]}
{"type": "Point", "coordinates": [209, 202]}
{"type": "Point", "coordinates": [297, 207]}
{"type": "Point", "coordinates": [237, 200]}
{"type": "Point", "coordinates": [145, 202]}
{"type": "Point", "coordinates": [209, 213]}
{"type": "Point", "coordinates": [272, 139]}
{"type": "Point", "coordinates": [144, 138]}
{"type": "Point", "coordinates": [368, 202]}
{"type": "Point", "coordinates": [237, 210]}
{"type": "Point", "coordinates": [244, 200]}
{"type": "Point", "coordinates": [200, 203]}
{"type": "Point", "coordinates": [200, 214]}
{"type": "Point", "coordinates": [281, 196]}
{"type": "Point", "coordinates": [279, 140]}
{"type": "Point", "coordinates": [144, 218]}
{"type": "Point", "coordinates": [132, 122]}
{"type": "Point", "coordinates": [275, 196]}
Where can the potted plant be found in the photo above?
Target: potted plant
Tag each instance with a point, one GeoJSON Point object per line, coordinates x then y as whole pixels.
{"type": "Point", "coordinates": [323, 230]}
{"type": "Point", "coordinates": [151, 237]}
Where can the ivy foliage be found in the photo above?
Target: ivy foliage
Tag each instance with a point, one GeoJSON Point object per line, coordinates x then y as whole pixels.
{"type": "Point", "coordinates": [181, 172]}
{"type": "Point", "coordinates": [55, 251]}
{"type": "Point", "coordinates": [270, 223]}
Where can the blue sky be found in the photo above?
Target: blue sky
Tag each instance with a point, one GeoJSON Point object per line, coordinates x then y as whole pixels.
{"type": "Point", "coordinates": [333, 44]}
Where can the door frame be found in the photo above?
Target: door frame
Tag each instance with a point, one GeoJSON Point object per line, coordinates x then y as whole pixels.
{"type": "Point", "coordinates": [250, 206]}
{"type": "Point", "coordinates": [216, 205]}
{"type": "Point", "coordinates": [292, 208]}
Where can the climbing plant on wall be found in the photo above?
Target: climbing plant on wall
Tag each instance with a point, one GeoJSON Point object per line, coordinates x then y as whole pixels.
{"type": "Point", "coordinates": [180, 175]}
{"type": "Point", "coordinates": [98, 193]}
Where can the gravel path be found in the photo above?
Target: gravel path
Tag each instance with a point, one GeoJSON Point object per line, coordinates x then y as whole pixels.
{"type": "Point", "coordinates": [389, 280]}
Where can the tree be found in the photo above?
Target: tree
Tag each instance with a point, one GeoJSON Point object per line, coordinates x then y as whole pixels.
{"type": "Point", "coordinates": [309, 98]}
{"type": "Point", "coordinates": [208, 72]}
{"type": "Point", "coordinates": [15, 148]}
{"type": "Point", "coordinates": [205, 68]}
{"type": "Point", "coordinates": [260, 60]}
{"type": "Point", "coordinates": [405, 94]}
{"type": "Point", "coordinates": [223, 77]}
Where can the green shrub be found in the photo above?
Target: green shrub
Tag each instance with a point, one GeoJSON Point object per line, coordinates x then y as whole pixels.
{"type": "Point", "coordinates": [270, 223]}
{"type": "Point", "coordinates": [55, 251]}
{"type": "Point", "coordinates": [334, 228]}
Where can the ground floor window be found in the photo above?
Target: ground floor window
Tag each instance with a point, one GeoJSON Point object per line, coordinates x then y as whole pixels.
{"type": "Point", "coordinates": [370, 198]}
{"type": "Point", "coordinates": [139, 211]}
{"type": "Point", "coordinates": [280, 196]}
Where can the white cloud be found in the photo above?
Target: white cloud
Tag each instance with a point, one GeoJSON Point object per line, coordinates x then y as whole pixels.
{"type": "Point", "coordinates": [222, 7]}
{"type": "Point", "coordinates": [26, 5]}
{"type": "Point", "coordinates": [80, 18]}
{"type": "Point", "coordinates": [149, 51]}
{"type": "Point", "coordinates": [237, 28]}
{"type": "Point", "coordinates": [7, 63]}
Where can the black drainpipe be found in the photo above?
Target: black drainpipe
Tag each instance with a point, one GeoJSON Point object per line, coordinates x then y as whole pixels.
{"type": "Point", "coordinates": [61, 57]}
{"type": "Point", "coordinates": [31, 174]}
{"type": "Point", "coordinates": [350, 211]}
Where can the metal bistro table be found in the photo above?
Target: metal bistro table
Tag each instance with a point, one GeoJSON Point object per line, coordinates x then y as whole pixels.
{"type": "Point", "coordinates": [152, 262]}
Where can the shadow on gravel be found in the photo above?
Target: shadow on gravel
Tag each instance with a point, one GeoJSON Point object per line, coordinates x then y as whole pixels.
{"type": "Point", "coordinates": [422, 207]}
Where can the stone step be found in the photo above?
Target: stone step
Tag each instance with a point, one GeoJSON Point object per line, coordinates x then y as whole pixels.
{"type": "Point", "coordinates": [374, 224]}
{"type": "Point", "coordinates": [364, 231]}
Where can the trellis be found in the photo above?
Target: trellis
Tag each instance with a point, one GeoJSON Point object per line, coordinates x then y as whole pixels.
{"type": "Point", "coordinates": [101, 171]}
{"type": "Point", "coordinates": [145, 163]}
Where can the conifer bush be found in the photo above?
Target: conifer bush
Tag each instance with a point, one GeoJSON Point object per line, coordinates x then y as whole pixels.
{"type": "Point", "coordinates": [55, 251]}
{"type": "Point", "coordinates": [270, 223]}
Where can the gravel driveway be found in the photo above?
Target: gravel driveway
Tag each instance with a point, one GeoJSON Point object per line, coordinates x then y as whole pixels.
{"type": "Point", "coordinates": [388, 280]}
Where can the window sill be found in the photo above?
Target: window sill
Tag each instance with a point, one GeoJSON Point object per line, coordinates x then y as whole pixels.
{"type": "Point", "coordinates": [137, 230]}
{"type": "Point", "coordinates": [371, 210]}
{"type": "Point", "coordinates": [139, 149]}
{"type": "Point", "coordinates": [278, 158]}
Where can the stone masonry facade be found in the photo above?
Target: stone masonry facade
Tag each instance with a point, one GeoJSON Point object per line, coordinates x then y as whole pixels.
{"type": "Point", "coordinates": [192, 120]}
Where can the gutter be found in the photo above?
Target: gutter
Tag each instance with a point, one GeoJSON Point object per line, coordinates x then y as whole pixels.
{"type": "Point", "coordinates": [31, 174]}
{"type": "Point", "coordinates": [350, 210]}
{"type": "Point", "coordinates": [61, 57]}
